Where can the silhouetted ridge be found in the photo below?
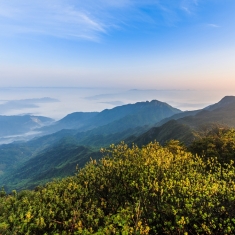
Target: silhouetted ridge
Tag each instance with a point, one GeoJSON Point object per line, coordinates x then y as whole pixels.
{"type": "Point", "coordinates": [227, 99]}
{"type": "Point", "coordinates": [222, 103]}
{"type": "Point", "coordinates": [78, 116]}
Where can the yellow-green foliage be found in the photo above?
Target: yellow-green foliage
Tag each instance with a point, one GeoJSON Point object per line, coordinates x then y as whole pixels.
{"type": "Point", "coordinates": [148, 190]}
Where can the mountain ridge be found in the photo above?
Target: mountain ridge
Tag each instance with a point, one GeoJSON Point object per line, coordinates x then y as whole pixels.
{"type": "Point", "coordinates": [140, 128]}
{"type": "Point", "coordinates": [93, 120]}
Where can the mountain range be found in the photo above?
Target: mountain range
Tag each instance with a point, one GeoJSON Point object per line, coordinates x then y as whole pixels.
{"type": "Point", "coordinates": [130, 115]}
{"type": "Point", "coordinates": [78, 137]}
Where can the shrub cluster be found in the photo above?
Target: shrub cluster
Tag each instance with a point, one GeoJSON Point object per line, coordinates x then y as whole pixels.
{"type": "Point", "coordinates": [148, 190]}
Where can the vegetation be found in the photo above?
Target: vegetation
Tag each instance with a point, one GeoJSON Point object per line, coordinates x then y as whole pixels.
{"type": "Point", "coordinates": [93, 130]}
{"type": "Point", "coordinates": [166, 132]}
{"type": "Point", "coordinates": [131, 190]}
{"type": "Point", "coordinates": [58, 161]}
{"type": "Point", "coordinates": [26, 164]}
{"type": "Point", "coordinates": [185, 187]}
{"type": "Point", "coordinates": [219, 143]}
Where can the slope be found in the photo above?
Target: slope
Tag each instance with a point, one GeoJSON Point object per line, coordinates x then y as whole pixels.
{"type": "Point", "coordinates": [71, 121]}
{"type": "Point", "coordinates": [13, 125]}
{"type": "Point", "coordinates": [222, 115]}
{"type": "Point", "coordinates": [166, 132]}
{"type": "Point", "coordinates": [154, 107]}
{"type": "Point", "coordinates": [190, 125]}
{"type": "Point", "coordinates": [133, 122]}
{"type": "Point", "coordinates": [154, 110]}
{"type": "Point", "coordinates": [63, 149]}
{"type": "Point", "coordinates": [57, 161]}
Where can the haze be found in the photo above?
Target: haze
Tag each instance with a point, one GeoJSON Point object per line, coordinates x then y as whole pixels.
{"type": "Point", "coordinates": [119, 45]}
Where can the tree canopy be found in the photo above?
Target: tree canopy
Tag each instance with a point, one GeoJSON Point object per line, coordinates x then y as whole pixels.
{"type": "Point", "coordinates": [219, 143]}
{"type": "Point", "coordinates": [131, 190]}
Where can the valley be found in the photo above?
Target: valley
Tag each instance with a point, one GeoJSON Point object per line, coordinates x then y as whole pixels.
{"type": "Point", "coordinates": [77, 137]}
{"type": "Point", "coordinates": [117, 117]}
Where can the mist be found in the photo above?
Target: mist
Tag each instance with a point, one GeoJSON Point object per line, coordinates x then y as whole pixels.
{"type": "Point", "coordinates": [58, 102]}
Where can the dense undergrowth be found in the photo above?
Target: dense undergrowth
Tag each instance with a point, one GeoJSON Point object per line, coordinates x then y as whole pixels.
{"type": "Point", "coordinates": [148, 190]}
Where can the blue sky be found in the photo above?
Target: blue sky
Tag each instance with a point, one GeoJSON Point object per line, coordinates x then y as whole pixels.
{"type": "Point", "coordinates": [161, 44]}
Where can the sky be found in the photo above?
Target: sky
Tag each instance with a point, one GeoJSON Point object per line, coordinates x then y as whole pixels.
{"type": "Point", "coordinates": [131, 44]}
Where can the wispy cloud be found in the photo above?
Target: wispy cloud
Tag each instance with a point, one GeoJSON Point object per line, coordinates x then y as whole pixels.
{"type": "Point", "coordinates": [213, 25]}
{"type": "Point", "coordinates": [186, 9]}
{"type": "Point", "coordinates": [56, 17]}
{"type": "Point", "coordinates": [84, 19]}
{"type": "Point", "coordinates": [189, 6]}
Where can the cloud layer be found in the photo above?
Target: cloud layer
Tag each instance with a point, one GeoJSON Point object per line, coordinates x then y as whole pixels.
{"type": "Point", "coordinates": [24, 104]}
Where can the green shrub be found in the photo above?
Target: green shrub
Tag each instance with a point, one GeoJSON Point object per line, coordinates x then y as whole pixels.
{"type": "Point", "coordinates": [148, 190]}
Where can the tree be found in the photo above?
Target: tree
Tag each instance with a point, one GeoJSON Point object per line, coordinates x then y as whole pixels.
{"type": "Point", "coordinates": [218, 143]}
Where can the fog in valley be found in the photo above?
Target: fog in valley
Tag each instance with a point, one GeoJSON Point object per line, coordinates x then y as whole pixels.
{"type": "Point", "coordinates": [58, 102]}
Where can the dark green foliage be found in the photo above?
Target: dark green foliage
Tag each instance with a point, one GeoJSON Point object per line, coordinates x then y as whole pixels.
{"type": "Point", "coordinates": [166, 132]}
{"type": "Point", "coordinates": [12, 155]}
{"type": "Point", "coordinates": [58, 161]}
{"type": "Point", "coordinates": [50, 158]}
{"type": "Point", "coordinates": [219, 143]}
{"type": "Point", "coordinates": [148, 190]}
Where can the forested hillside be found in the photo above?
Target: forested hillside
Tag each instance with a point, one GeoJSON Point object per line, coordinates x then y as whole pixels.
{"type": "Point", "coordinates": [26, 164]}
{"type": "Point", "coordinates": [91, 130]}
{"type": "Point", "coordinates": [132, 190]}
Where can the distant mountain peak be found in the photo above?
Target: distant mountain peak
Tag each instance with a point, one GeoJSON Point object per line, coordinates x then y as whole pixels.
{"type": "Point", "coordinates": [158, 102]}
{"type": "Point", "coordinates": [222, 103]}
{"type": "Point", "coordinates": [227, 99]}
{"type": "Point", "coordinates": [154, 103]}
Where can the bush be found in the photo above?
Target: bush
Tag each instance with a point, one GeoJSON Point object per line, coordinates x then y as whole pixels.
{"type": "Point", "coordinates": [148, 190]}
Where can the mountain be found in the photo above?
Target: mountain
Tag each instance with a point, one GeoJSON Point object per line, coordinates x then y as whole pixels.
{"type": "Point", "coordinates": [71, 121]}
{"type": "Point", "coordinates": [128, 116]}
{"type": "Point", "coordinates": [227, 100]}
{"type": "Point", "coordinates": [158, 109]}
{"type": "Point", "coordinates": [39, 161]}
{"type": "Point", "coordinates": [55, 155]}
{"type": "Point", "coordinates": [178, 116]}
{"type": "Point", "coordinates": [57, 161]}
{"type": "Point", "coordinates": [190, 125]}
{"type": "Point", "coordinates": [15, 125]}
{"type": "Point", "coordinates": [222, 114]}
{"type": "Point", "coordinates": [113, 125]}
{"type": "Point", "coordinates": [14, 154]}
{"type": "Point", "coordinates": [123, 121]}
{"type": "Point", "coordinates": [168, 131]}
{"type": "Point", "coordinates": [94, 130]}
